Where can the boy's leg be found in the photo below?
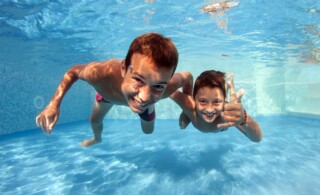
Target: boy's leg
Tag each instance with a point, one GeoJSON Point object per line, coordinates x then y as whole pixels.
{"type": "Point", "coordinates": [100, 109]}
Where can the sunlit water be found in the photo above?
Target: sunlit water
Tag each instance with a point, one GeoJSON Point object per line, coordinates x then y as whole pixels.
{"type": "Point", "coordinates": [169, 161]}
{"type": "Point", "coordinates": [271, 46]}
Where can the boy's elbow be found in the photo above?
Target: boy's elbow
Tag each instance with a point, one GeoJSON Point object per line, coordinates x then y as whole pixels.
{"type": "Point", "coordinates": [187, 76]}
{"type": "Point", "coordinates": [74, 72]}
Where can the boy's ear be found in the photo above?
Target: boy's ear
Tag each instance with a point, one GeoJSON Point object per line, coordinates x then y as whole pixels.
{"type": "Point", "coordinates": [123, 68]}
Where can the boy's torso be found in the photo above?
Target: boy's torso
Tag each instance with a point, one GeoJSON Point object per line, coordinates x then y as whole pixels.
{"type": "Point", "coordinates": [109, 87]}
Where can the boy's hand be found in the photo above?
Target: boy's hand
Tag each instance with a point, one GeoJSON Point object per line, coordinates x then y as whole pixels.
{"type": "Point", "coordinates": [232, 114]}
{"type": "Point", "coordinates": [233, 111]}
{"type": "Point", "coordinates": [184, 121]}
{"type": "Point", "coordinates": [48, 118]}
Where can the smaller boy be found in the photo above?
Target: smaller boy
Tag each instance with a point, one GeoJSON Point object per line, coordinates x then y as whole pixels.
{"type": "Point", "coordinates": [208, 110]}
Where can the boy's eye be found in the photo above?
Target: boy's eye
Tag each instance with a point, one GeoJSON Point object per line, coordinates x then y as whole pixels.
{"type": "Point", "coordinates": [139, 81]}
{"type": "Point", "coordinates": [217, 102]}
{"type": "Point", "coordinates": [202, 102]}
{"type": "Point", "coordinates": [159, 87]}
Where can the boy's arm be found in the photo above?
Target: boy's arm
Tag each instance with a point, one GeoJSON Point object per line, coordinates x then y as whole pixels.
{"type": "Point", "coordinates": [180, 79]}
{"type": "Point", "coordinates": [250, 128]}
{"type": "Point", "coordinates": [235, 114]}
{"type": "Point", "coordinates": [49, 116]}
{"type": "Point", "coordinates": [186, 103]}
{"type": "Point", "coordinates": [181, 99]}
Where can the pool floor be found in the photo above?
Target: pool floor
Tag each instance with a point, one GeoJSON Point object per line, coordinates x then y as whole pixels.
{"type": "Point", "coordinates": [169, 161]}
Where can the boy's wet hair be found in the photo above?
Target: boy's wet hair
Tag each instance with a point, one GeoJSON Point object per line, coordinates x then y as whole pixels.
{"type": "Point", "coordinates": [157, 47]}
{"type": "Point", "coordinates": [211, 79]}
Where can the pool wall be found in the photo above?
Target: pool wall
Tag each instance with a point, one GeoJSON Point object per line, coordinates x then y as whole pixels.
{"type": "Point", "coordinates": [27, 89]}
{"type": "Point", "coordinates": [40, 42]}
{"type": "Point", "coordinates": [30, 72]}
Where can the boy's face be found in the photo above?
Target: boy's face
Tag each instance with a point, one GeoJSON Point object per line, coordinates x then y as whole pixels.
{"type": "Point", "coordinates": [209, 103]}
{"type": "Point", "coordinates": [143, 82]}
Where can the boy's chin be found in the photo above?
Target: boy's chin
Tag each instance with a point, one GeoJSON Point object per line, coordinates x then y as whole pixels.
{"type": "Point", "coordinates": [137, 110]}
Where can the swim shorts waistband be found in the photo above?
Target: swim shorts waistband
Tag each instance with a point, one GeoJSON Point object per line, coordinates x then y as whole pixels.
{"type": "Point", "coordinates": [99, 98]}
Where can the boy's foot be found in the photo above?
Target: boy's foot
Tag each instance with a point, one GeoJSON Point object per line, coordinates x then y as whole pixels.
{"type": "Point", "coordinates": [86, 143]}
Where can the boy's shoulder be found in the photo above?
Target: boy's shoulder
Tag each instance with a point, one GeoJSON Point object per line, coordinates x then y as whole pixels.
{"type": "Point", "coordinates": [110, 63]}
{"type": "Point", "coordinates": [96, 73]}
{"type": "Point", "coordinates": [108, 67]}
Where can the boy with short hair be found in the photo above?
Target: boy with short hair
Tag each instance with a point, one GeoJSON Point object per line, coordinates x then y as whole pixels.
{"type": "Point", "coordinates": [209, 112]}
{"type": "Point", "coordinates": [143, 78]}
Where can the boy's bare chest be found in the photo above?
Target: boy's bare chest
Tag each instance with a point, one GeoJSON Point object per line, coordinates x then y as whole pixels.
{"type": "Point", "coordinates": [110, 90]}
{"type": "Point", "coordinates": [207, 127]}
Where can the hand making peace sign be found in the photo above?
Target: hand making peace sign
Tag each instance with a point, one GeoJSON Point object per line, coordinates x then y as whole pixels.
{"type": "Point", "coordinates": [233, 113]}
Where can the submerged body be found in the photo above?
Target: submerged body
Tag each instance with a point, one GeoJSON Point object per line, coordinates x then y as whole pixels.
{"type": "Point", "coordinates": [219, 7]}
{"type": "Point", "coordinates": [139, 81]}
{"type": "Point", "coordinates": [208, 111]}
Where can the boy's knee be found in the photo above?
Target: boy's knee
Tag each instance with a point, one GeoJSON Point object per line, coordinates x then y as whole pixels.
{"type": "Point", "coordinates": [95, 120]}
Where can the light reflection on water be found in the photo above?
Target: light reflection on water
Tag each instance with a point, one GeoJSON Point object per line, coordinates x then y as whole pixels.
{"type": "Point", "coordinates": [169, 161]}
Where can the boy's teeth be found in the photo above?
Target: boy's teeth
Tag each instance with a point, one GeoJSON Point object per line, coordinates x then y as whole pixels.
{"type": "Point", "coordinates": [140, 103]}
{"type": "Point", "coordinates": [209, 115]}
{"type": "Point", "coordinates": [137, 101]}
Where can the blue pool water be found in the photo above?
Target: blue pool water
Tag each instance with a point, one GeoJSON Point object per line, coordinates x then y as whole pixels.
{"type": "Point", "coordinates": [271, 46]}
{"type": "Point", "coordinates": [169, 161]}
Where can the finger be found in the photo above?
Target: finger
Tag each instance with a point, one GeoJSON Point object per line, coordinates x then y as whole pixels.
{"type": "Point", "coordinates": [42, 125]}
{"type": "Point", "coordinates": [239, 95]}
{"type": "Point", "coordinates": [227, 116]}
{"type": "Point", "coordinates": [37, 121]}
{"type": "Point", "coordinates": [52, 124]}
{"type": "Point", "coordinates": [233, 97]}
{"type": "Point", "coordinates": [232, 108]}
{"type": "Point", "coordinates": [228, 78]}
{"type": "Point", "coordinates": [233, 119]}
{"type": "Point", "coordinates": [225, 125]}
{"type": "Point", "coordinates": [47, 122]}
{"type": "Point", "coordinates": [234, 116]}
{"type": "Point", "coordinates": [227, 87]}
{"type": "Point", "coordinates": [230, 84]}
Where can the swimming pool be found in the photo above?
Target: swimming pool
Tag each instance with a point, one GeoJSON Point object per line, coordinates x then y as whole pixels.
{"type": "Point", "coordinates": [170, 161]}
{"type": "Point", "coordinates": [272, 47]}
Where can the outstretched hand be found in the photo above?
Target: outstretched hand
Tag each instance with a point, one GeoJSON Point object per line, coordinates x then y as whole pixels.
{"type": "Point", "coordinates": [232, 111]}
{"type": "Point", "coordinates": [47, 119]}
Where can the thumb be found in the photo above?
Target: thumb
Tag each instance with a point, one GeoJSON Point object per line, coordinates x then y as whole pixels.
{"type": "Point", "coordinates": [239, 95]}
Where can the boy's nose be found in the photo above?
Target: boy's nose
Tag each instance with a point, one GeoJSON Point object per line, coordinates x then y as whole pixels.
{"type": "Point", "coordinates": [210, 108]}
{"type": "Point", "coordinates": [145, 94]}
